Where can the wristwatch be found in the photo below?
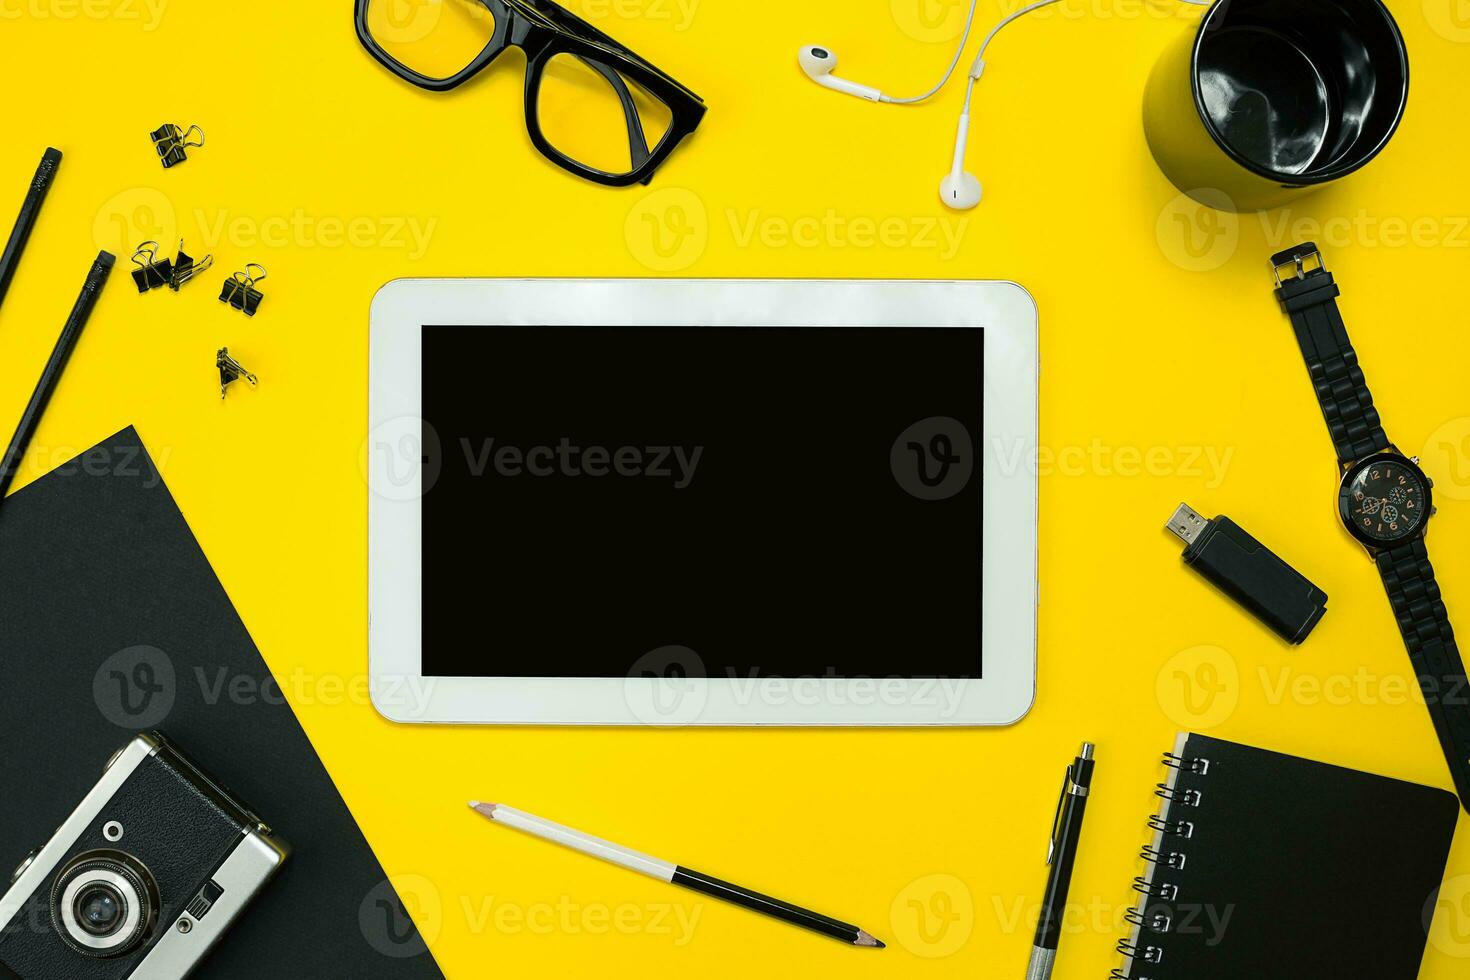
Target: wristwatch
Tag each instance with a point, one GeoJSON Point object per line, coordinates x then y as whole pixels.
{"type": "Point", "coordinates": [1384, 499]}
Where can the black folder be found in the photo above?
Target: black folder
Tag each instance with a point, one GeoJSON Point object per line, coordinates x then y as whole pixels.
{"type": "Point", "coordinates": [112, 621]}
{"type": "Point", "coordinates": [1268, 866]}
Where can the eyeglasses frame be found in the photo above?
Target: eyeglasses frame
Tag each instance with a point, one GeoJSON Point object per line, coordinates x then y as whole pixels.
{"type": "Point", "coordinates": [543, 29]}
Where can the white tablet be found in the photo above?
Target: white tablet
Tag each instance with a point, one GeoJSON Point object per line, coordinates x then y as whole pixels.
{"type": "Point", "coordinates": [676, 502]}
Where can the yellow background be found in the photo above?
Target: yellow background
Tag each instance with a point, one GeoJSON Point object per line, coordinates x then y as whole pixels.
{"type": "Point", "coordinates": [1162, 350]}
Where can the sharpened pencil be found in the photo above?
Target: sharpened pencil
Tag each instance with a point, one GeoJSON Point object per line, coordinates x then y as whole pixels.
{"type": "Point", "coordinates": [677, 874]}
{"type": "Point", "coordinates": [51, 375]}
{"type": "Point", "coordinates": [30, 209]}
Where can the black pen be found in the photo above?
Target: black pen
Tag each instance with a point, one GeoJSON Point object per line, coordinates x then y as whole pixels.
{"type": "Point", "coordinates": [1066, 833]}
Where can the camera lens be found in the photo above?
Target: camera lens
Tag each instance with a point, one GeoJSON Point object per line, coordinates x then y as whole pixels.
{"type": "Point", "coordinates": [99, 908]}
{"type": "Point", "coordinates": [104, 903]}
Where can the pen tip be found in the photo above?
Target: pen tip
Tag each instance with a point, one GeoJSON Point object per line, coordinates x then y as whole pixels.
{"type": "Point", "coordinates": [864, 938]}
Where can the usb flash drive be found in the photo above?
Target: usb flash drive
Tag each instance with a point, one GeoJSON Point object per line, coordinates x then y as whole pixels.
{"type": "Point", "coordinates": [1250, 573]}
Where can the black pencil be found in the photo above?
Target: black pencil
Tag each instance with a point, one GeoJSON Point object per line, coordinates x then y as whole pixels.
{"type": "Point", "coordinates": [677, 874]}
{"type": "Point", "coordinates": [26, 220]}
{"type": "Point", "coordinates": [101, 269]}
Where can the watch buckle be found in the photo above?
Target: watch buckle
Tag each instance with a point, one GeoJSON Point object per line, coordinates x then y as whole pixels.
{"type": "Point", "coordinates": [1297, 258]}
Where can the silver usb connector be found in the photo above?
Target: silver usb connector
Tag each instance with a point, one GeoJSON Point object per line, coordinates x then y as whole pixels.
{"type": "Point", "coordinates": [1187, 524]}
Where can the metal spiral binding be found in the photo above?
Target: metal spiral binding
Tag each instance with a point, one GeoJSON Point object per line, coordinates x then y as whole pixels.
{"type": "Point", "coordinates": [1189, 797]}
{"type": "Point", "coordinates": [1143, 954]}
{"type": "Point", "coordinates": [1171, 828]}
{"type": "Point", "coordinates": [1162, 890]}
{"type": "Point", "coordinates": [1143, 917]}
{"type": "Point", "coordinates": [1197, 766]}
{"type": "Point", "coordinates": [1167, 859]}
{"type": "Point", "coordinates": [1157, 922]}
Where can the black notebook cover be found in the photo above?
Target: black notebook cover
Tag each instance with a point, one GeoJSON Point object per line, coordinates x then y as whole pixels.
{"type": "Point", "coordinates": [1267, 866]}
{"type": "Point", "coordinates": [111, 621]}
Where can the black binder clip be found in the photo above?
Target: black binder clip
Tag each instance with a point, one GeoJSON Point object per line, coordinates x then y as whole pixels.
{"type": "Point", "coordinates": [230, 370]}
{"type": "Point", "coordinates": [186, 267]}
{"type": "Point", "coordinates": [171, 142]}
{"type": "Point", "coordinates": [240, 292]}
{"type": "Point", "coordinates": [151, 273]}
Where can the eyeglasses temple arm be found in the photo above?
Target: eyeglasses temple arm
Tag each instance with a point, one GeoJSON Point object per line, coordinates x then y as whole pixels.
{"type": "Point", "coordinates": [566, 20]}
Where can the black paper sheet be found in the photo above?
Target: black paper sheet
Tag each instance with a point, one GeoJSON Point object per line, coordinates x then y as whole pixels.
{"type": "Point", "coordinates": [111, 622]}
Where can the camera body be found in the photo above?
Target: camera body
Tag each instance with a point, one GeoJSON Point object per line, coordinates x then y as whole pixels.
{"type": "Point", "coordinates": [141, 880]}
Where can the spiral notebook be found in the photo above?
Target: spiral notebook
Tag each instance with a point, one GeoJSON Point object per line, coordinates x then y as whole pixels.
{"type": "Point", "coordinates": [1267, 866]}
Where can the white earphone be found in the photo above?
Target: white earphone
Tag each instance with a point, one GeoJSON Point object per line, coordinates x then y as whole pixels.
{"type": "Point", "coordinates": [818, 63]}
{"type": "Point", "coordinates": [959, 189]}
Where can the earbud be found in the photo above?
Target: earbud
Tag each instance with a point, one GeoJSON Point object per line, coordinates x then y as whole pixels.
{"type": "Point", "coordinates": [960, 189]}
{"type": "Point", "coordinates": [818, 63]}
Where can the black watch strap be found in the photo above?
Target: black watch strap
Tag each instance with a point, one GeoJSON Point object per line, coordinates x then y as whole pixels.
{"type": "Point", "coordinates": [1310, 299]}
{"type": "Point", "coordinates": [1414, 594]}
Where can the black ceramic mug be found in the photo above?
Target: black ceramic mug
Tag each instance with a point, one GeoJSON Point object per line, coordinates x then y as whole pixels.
{"type": "Point", "coordinates": [1270, 99]}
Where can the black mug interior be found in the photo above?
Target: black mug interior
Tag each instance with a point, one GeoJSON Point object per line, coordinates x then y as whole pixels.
{"type": "Point", "coordinates": [1301, 91]}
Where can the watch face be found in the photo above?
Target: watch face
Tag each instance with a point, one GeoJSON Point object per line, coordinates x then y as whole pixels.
{"type": "Point", "coordinates": [1384, 500]}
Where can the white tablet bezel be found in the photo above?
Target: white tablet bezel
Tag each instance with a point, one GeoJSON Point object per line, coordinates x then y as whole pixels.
{"type": "Point", "coordinates": [1009, 589]}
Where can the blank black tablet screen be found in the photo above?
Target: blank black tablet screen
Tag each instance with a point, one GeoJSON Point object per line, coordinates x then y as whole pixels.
{"type": "Point", "coordinates": [793, 502]}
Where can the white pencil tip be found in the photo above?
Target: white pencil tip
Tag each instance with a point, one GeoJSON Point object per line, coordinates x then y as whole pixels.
{"type": "Point", "coordinates": [474, 804]}
{"type": "Point", "coordinates": [484, 809]}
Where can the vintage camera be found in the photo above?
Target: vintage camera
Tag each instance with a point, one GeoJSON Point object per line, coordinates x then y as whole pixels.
{"type": "Point", "coordinates": [141, 880]}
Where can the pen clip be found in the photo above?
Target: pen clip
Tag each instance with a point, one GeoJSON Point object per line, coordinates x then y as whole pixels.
{"type": "Point", "coordinates": [1051, 846]}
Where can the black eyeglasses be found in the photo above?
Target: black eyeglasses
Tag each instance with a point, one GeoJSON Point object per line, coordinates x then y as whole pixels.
{"type": "Point", "coordinates": [592, 106]}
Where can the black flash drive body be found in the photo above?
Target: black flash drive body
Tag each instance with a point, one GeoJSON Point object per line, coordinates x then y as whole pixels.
{"type": "Point", "coordinates": [1250, 573]}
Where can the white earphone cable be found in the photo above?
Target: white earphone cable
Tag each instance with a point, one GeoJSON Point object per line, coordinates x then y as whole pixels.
{"type": "Point", "coordinates": [979, 64]}
{"type": "Point", "coordinates": [959, 52]}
